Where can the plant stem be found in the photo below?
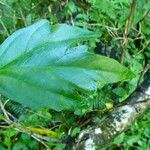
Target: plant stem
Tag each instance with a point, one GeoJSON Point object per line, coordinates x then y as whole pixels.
{"type": "Point", "coordinates": [3, 25]}
{"type": "Point", "coordinates": [128, 25]}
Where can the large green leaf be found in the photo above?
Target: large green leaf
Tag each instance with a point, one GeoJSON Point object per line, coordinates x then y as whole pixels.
{"type": "Point", "coordinates": [40, 68]}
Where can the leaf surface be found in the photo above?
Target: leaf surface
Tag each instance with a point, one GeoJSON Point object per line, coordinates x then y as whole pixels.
{"type": "Point", "coordinates": [39, 67]}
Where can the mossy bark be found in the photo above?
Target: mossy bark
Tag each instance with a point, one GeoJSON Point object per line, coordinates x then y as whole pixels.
{"type": "Point", "coordinates": [117, 121]}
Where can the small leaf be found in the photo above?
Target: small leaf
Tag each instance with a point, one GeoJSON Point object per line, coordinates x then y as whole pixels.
{"type": "Point", "coordinates": [39, 67]}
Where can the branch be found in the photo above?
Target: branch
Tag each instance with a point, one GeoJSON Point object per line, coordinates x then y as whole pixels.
{"type": "Point", "coordinates": [128, 25]}
{"type": "Point", "coordinates": [97, 136]}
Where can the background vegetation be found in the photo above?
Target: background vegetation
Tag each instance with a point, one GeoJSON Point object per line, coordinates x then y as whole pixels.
{"type": "Point", "coordinates": [123, 26]}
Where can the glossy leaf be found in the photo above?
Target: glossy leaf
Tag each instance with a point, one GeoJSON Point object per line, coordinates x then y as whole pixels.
{"type": "Point", "coordinates": [39, 67]}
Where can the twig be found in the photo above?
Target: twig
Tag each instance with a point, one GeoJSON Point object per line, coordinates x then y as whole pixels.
{"type": "Point", "coordinates": [144, 47]}
{"type": "Point", "coordinates": [40, 141]}
{"type": "Point", "coordinates": [111, 30]}
{"type": "Point", "coordinates": [25, 130]}
{"type": "Point", "coordinates": [3, 25]}
{"type": "Point", "coordinates": [146, 14]}
{"type": "Point", "coordinates": [3, 110]}
{"type": "Point", "coordinates": [18, 127]}
{"type": "Point", "coordinates": [127, 29]}
{"type": "Point", "coordinates": [22, 15]}
{"type": "Point", "coordinates": [101, 25]}
{"type": "Point", "coordinates": [146, 68]}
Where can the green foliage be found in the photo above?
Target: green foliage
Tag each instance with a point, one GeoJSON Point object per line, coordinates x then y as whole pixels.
{"type": "Point", "coordinates": [40, 59]}
{"type": "Point", "coordinates": [137, 137]}
{"type": "Point", "coordinates": [107, 18]}
{"type": "Point", "coordinates": [10, 141]}
{"type": "Point", "coordinates": [41, 118]}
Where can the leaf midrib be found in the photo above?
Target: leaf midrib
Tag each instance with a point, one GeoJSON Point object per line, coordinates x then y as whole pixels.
{"type": "Point", "coordinates": [51, 90]}
{"type": "Point", "coordinates": [67, 43]}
